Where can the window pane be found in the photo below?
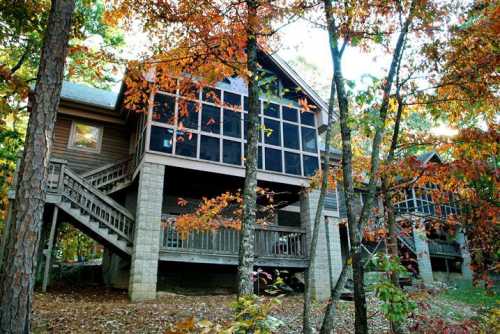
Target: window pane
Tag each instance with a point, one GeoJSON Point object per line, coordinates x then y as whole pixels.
{"type": "Point", "coordinates": [187, 114]}
{"type": "Point", "coordinates": [291, 136]}
{"type": "Point", "coordinates": [310, 165]}
{"type": "Point", "coordinates": [231, 152]}
{"type": "Point", "coordinates": [307, 118]}
{"type": "Point", "coordinates": [164, 109]}
{"type": "Point", "coordinates": [210, 118]}
{"type": "Point", "coordinates": [211, 95]}
{"type": "Point", "coordinates": [86, 137]}
{"type": "Point", "coordinates": [292, 163]}
{"type": "Point", "coordinates": [309, 140]}
{"type": "Point", "coordinates": [245, 103]}
{"type": "Point", "coordinates": [271, 109]}
{"type": "Point", "coordinates": [233, 100]}
{"type": "Point", "coordinates": [245, 121]}
{"type": "Point", "coordinates": [232, 123]}
{"type": "Point", "coordinates": [209, 148]}
{"type": "Point", "coordinates": [290, 114]}
{"type": "Point", "coordinates": [186, 143]}
{"type": "Point", "coordinates": [272, 133]}
{"type": "Point", "coordinates": [161, 139]}
{"type": "Point", "coordinates": [273, 160]}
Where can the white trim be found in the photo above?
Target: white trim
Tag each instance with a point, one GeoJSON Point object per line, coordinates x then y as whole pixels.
{"type": "Point", "coordinates": [72, 133]}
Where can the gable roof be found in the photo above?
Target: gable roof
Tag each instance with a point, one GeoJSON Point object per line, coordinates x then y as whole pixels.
{"type": "Point", "coordinates": [428, 156]}
{"type": "Point", "coordinates": [83, 94]}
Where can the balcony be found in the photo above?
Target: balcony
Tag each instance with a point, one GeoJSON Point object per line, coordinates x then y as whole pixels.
{"type": "Point", "coordinates": [275, 246]}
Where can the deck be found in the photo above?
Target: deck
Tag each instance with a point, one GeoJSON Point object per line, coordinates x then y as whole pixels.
{"type": "Point", "coordinates": [276, 246]}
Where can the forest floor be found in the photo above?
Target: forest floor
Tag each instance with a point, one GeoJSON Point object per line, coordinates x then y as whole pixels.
{"type": "Point", "coordinates": [99, 310]}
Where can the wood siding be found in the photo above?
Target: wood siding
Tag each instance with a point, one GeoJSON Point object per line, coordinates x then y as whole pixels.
{"type": "Point", "coordinates": [115, 144]}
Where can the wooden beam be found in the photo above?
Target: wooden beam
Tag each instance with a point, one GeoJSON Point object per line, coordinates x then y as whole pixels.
{"type": "Point", "coordinates": [48, 255]}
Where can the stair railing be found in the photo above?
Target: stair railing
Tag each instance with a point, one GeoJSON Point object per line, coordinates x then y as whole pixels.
{"type": "Point", "coordinates": [89, 200]}
{"type": "Point", "coordinates": [105, 177]}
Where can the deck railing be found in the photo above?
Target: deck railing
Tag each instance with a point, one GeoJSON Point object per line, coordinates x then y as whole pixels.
{"type": "Point", "coordinates": [444, 248]}
{"type": "Point", "coordinates": [270, 241]}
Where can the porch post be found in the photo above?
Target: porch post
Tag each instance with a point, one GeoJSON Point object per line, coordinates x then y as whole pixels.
{"type": "Point", "coordinates": [466, 260]}
{"type": "Point", "coordinates": [145, 253]}
{"type": "Point", "coordinates": [48, 254]}
{"type": "Point", "coordinates": [321, 271]}
{"type": "Point", "coordinates": [423, 255]}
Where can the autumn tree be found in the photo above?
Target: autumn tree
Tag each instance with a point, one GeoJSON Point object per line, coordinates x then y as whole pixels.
{"type": "Point", "coordinates": [21, 36]}
{"type": "Point", "coordinates": [365, 24]}
{"type": "Point", "coordinates": [210, 41]}
{"type": "Point", "coordinates": [16, 275]}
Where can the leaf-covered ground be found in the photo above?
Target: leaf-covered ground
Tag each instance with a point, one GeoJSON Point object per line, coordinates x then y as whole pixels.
{"type": "Point", "coordinates": [98, 310]}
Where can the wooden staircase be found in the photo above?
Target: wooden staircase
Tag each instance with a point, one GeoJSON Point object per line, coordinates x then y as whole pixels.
{"type": "Point", "coordinates": [92, 210]}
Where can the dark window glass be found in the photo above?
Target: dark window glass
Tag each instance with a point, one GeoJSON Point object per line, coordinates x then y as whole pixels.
{"type": "Point", "coordinates": [186, 143]}
{"type": "Point", "coordinates": [291, 136]}
{"type": "Point", "coordinates": [290, 114]}
{"type": "Point", "coordinates": [233, 100]}
{"type": "Point", "coordinates": [210, 118]}
{"type": "Point", "coordinates": [307, 118]}
{"type": "Point", "coordinates": [273, 160]}
{"type": "Point", "coordinates": [292, 163]}
{"type": "Point", "coordinates": [232, 123]}
{"type": "Point", "coordinates": [231, 152]}
{"type": "Point", "coordinates": [310, 165]}
{"type": "Point", "coordinates": [209, 148]}
{"type": "Point", "coordinates": [164, 109]}
{"type": "Point", "coordinates": [188, 114]}
{"type": "Point", "coordinates": [245, 121]}
{"type": "Point", "coordinates": [245, 103]}
{"type": "Point", "coordinates": [309, 140]}
{"type": "Point", "coordinates": [271, 109]}
{"type": "Point", "coordinates": [272, 133]}
{"type": "Point", "coordinates": [211, 95]}
{"type": "Point", "coordinates": [161, 139]}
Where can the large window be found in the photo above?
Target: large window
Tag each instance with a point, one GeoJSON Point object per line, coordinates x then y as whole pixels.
{"type": "Point", "coordinates": [85, 137]}
{"type": "Point", "coordinates": [210, 124]}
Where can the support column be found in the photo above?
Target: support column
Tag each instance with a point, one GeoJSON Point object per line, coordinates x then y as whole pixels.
{"type": "Point", "coordinates": [144, 264]}
{"type": "Point", "coordinates": [466, 259]}
{"type": "Point", "coordinates": [48, 254]}
{"type": "Point", "coordinates": [423, 255]}
{"type": "Point", "coordinates": [321, 270]}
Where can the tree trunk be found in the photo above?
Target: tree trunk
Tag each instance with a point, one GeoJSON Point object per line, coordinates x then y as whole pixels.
{"type": "Point", "coordinates": [307, 321]}
{"type": "Point", "coordinates": [360, 322]}
{"type": "Point", "coordinates": [16, 277]}
{"type": "Point", "coordinates": [247, 233]}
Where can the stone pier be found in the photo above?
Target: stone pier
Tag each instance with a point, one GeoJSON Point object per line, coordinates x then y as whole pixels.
{"type": "Point", "coordinates": [321, 272]}
{"type": "Point", "coordinates": [144, 263]}
{"type": "Point", "coordinates": [423, 255]}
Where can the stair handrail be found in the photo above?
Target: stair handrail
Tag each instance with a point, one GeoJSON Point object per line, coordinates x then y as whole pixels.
{"type": "Point", "coordinates": [107, 166]}
{"type": "Point", "coordinates": [103, 197]}
{"type": "Point", "coordinates": [406, 240]}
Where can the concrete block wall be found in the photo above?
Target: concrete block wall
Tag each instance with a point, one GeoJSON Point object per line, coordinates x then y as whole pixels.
{"type": "Point", "coordinates": [466, 260]}
{"type": "Point", "coordinates": [321, 272]}
{"type": "Point", "coordinates": [423, 255]}
{"type": "Point", "coordinates": [144, 263]}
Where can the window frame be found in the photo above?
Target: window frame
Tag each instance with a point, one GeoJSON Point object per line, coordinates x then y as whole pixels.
{"type": "Point", "coordinates": [241, 139]}
{"type": "Point", "coordinates": [72, 134]}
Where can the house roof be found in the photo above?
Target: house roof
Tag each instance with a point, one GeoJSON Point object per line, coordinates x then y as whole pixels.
{"type": "Point", "coordinates": [87, 95]}
{"type": "Point", "coordinates": [428, 156]}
